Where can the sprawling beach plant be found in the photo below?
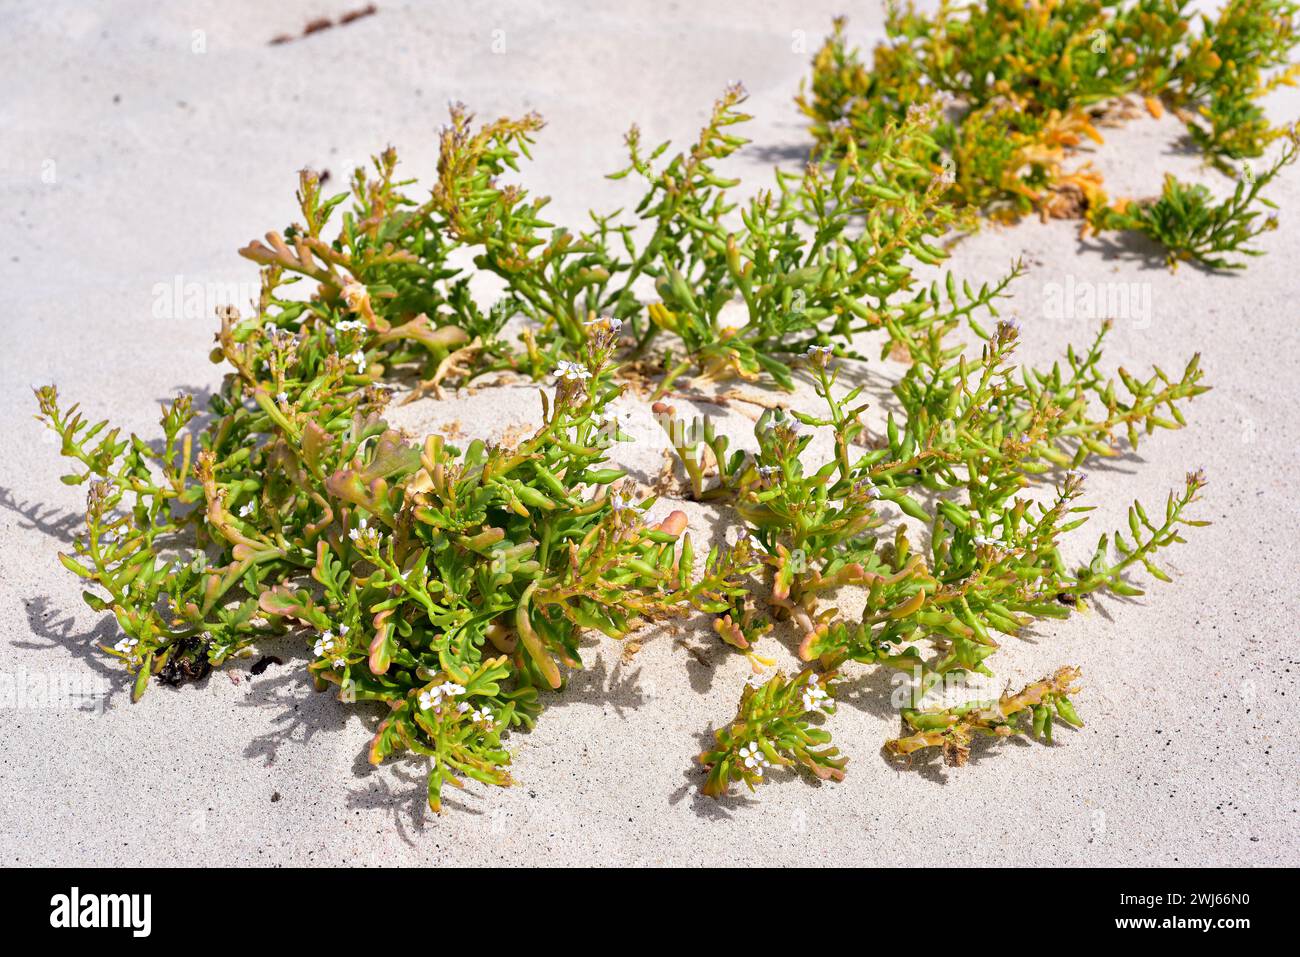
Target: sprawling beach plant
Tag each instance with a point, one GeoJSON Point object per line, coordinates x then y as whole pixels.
{"type": "Point", "coordinates": [453, 585]}
{"type": "Point", "coordinates": [1015, 88]}
{"type": "Point", "coordinates": [450, 585]}
{"type": "Point", "coordinates": [1191, 225]}
{"type": "Point", "coordinates": [976, 439]}
{"type": "Point", "coordinates": [737, 288]}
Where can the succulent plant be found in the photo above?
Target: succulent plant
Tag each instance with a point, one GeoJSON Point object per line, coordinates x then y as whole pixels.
{"type": "Point", "coordinates": [1014, 89]}
{"type": "Point", "coordinates": [453, 584]}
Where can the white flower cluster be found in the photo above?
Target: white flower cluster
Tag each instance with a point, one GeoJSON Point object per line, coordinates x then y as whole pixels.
{"type": "Point", "coordinates": [326, 646]}
{"type": "Point", "coordinates": [572, 371]}
{"type": "Point", "coordinates": [482, 714]}
{"type": "Point", "coordinates": [432, 698]}
{"type": "Point", "coordinates": [363, 533]}
{"type": "Point", "coordinates": [814, 695]}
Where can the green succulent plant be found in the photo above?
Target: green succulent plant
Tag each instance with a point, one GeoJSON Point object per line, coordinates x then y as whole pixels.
{"type": "Point", "coordinates": [1015, 88]}
{"type": "Point", "coordinates": [977, 437]}
{"type": "Point", "coordinates": [1188, 222]}
{"type": "Point", "coordinates": [450, 585]}
{"type": "Point", "coordinates": [453, 584]}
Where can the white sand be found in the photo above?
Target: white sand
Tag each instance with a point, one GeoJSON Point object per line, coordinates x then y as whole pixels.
{"type": "Point", "coordinates": [166, 160]}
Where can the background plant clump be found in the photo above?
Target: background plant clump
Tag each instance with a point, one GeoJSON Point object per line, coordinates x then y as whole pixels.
{"type": "Point", "coordinates": [1016, 89]}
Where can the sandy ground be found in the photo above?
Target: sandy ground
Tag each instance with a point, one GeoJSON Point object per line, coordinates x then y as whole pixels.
{"type": "Point", "coordinates": [143, 146]}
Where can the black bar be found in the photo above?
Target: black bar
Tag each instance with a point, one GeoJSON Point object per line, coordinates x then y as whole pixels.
{"type": "Point", "coordinates": [366, 906]}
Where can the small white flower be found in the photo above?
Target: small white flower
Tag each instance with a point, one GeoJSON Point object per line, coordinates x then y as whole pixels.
{"type": "Point", "coordinates": [126, 646]}
{"type": "Point", "coordinates": [754, 759]}
{"type": "Point", "coordinates": [482, 714]}
{"type": "Point", "coordinates": [339, 663]}
{"type": "Point", "coordinates": [462, 707]}
{"type": "Point", "coordinates": [324, 644]}
{"type": "Point", "coordinates": [984, 540]}
{"type": "Point", "coordinates": [573, 371]}
{"type": "Point", "coordinates": [359, 358]}
{"type": "Point", "coordinates": [450, 689]}
{"type": "Point", "coordinates": [343, 629]}
{"type": "Point", "coordinates": [815, 351]}
{"type": "Point", "coordinates": [814, 695]}
{"type": "Point", "coordinates": [350, 325]}
{"type": "Point", "coordinates": [282, 397]}
{"type": "Point", "coordinates": [767, 471]}
{"type": "Point", "coordinates": [246, 510]}
{"type": "Point", "coordinates": [430, 698]}
{"type": "Point", "coordinates": [360, 530]}
{"type": "Point", "coordinates": [622, 502]}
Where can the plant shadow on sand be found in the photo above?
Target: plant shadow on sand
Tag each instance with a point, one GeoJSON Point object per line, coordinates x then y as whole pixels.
{"type": "Point", "coordinates": [46, 519]}
{"type": "Point", "coordinates": [931, 765]}
{"type": "Point", "coordinates": [304, 712]}
{"type": "Point", "coordinates": [52, 628]}
{"type": "Point", "coordinates": [1133, 247]}
{"type": "Point", "coordinates": [399, 786]}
